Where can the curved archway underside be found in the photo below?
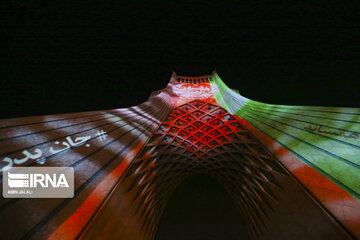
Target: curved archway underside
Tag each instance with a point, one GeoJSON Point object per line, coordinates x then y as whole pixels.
{"type": "Point", "coordinates": [292, 171]}
{"type": "Point", "coordinates": [200, 137]}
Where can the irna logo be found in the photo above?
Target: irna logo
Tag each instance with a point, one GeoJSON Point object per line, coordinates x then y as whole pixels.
{"type": "Point", "coordinates": [38, 182]}
{"type": "Point", "coordinates": [33, 180]}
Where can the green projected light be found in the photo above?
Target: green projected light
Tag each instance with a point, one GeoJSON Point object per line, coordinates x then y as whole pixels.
{"type": "Point", "coordinates": [325, 138]}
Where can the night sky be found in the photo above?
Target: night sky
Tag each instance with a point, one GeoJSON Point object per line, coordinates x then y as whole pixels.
{"type": "Point", "coordinates": [65, 57]}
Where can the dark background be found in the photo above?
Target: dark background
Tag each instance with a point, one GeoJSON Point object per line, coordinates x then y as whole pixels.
{"type": "Point", "coordinates": [70, 56]}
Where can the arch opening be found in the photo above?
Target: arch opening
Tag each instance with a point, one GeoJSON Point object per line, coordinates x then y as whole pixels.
{"type": "Point", "coordinates": [200, 208]}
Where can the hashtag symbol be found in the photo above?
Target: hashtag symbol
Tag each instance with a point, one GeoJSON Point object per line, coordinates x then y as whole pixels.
{"type": "Point", "coordinates": [101, 134]}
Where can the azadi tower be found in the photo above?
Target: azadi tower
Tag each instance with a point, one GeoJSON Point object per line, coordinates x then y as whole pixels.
{"type": "Point", "coordinates": [292, 171]}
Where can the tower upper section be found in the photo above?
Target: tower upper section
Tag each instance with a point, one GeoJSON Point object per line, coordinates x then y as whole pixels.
{"type": "Point", "coordinates": [191, 88]}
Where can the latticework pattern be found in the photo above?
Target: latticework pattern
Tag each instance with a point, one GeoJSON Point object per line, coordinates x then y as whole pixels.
{"type": "Point", "coordinates": [200, 137]}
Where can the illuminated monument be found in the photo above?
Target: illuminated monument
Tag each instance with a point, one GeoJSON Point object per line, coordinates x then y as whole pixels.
{"type": "Point", "coordinates": [292, 171]}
